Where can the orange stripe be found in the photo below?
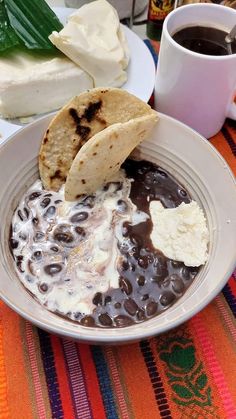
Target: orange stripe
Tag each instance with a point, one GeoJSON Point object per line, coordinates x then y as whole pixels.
{"type": "Point", "coordinates": [4, 410]}
{"type": "Point", "coordinates": [17, 380]}
{"type": "Point", "coordinates": [62, 377]}
{"type": "Point", "coordinates": [222, 146]}
{"type": "Point", "coordinates": [137, 381]}
{"type": "Point", "coordinates": [91, 380]}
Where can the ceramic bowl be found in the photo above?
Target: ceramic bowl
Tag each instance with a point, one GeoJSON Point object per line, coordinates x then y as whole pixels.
{"type": "Point", "coordinates": [193, 161]}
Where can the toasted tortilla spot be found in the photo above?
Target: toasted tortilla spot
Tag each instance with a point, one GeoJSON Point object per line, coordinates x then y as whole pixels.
{"type": "Point", "coordinates": [92, 110]}
{"type": "Point", "coordinates": [58, 175]}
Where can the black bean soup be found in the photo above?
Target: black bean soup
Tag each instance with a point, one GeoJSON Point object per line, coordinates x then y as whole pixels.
{"type": "Point", "coordinates": [149, 283]}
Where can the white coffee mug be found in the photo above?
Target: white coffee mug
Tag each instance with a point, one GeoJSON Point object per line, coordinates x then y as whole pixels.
{"type": "Point", "coordinates": [194, 88]}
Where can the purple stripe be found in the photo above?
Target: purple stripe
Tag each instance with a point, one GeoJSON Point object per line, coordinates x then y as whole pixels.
{"type": "Point", "coordinates": [77, 381]}
{"type": "Point", "coordinates": [50, 374]}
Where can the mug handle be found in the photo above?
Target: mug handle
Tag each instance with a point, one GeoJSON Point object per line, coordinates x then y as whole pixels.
{"type": "Point", "coordinates": [232, 110]}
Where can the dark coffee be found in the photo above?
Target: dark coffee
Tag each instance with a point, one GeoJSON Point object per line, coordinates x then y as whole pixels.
{"type": "Point", "coordinates": [204, 40]}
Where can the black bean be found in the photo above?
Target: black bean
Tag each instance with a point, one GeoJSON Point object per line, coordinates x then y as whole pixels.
{"type": "Point", "coordinates": [53, 269]}
{"type": "Point", "coordinates": [54, 249]}
{"type": "Point", "coordinates": [14, 243]}
{"type": "Point", "coordinates": [178, 286]}
{"type": "Point", "coordinates": [151, 308]}
{"type": "Point", "coordinates": [182, 192]}
{"type": "Point", "coordinates": [34, 195]}
{"type": "Point", "coordinates": [161, 271]}
{"type": "Point", "coordinates": [87, 321]}
{"type": "Point", "coordinates": [35, 221]}
{"type": "Point", "coordinates": [193, 271]}
{"type": "Point", "coordinates": [19, 263]}
{"type": "Point", "coordinates": [43, 287]}
{"type": "Point", "coordinates": [79, 216]}
{"type": "Point", "coordinates": [143, 262]}
{"type": "Point", "coordinates": [20, 215]}
{"type": "Point", "coordinates": [185, 273]}
{"type": "Point", "coordinates": [141, 315]}
{"type": "Point", "coordinates": [37, 255]}
{"type": "Point", "coordinates": [162, 173]}
{"type": "Point", "coordinates": [45, 202]}
{"type": "Point", "coordinates": [47, 194]}
{"type": "Point", "coordinates": [125, 230]}
{"type": "Point", "coordinates": [58, 201]}
{"type": "Point", "coordinates": [125, 265]}
{"type": "Point", "coordinates": [62, 233]}
{"type": "Point", "coordinates": [167, 298]}
{"type": "Point", "coordinates": [67, 280]}
{"type": "Point", "coordinates": [122, 206]}
{"type": "Point", "coordinates": [50, 212]}
{"type": "Point", "coordinates": [107, 300]}
{"type": "Point", "coordinates": [39, 236]}
{"type": "Point", "coordinates": [141, 280]}
{"type": "Point", "coordinates": [145, 297]}
{"type": "Point", "coordinates": [130, 306]}
{"type": "Point", "coordinates": [117, 305]}
{"type": "Point", "coordinates": [125, 285]}
{"type": "Point", "coordinates": [123, 321]}
{"type": "Point", "coordinates": [80, 231]}
{"type": "Point", "coordinates": [97, 299]}
{"type": "Point", "coordinates": [105, 319]}
{"type": "Point", "coordinates": [63, 237]}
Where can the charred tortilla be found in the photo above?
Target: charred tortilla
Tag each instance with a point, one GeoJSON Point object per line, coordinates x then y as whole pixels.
{"type": "Point", "coordinates": [82, 118]}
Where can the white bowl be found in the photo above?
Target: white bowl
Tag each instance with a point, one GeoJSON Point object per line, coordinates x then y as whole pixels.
{"type": "Point", "coordinates": [193, 162]}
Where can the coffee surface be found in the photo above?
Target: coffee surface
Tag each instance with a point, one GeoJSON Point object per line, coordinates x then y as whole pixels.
{"type": "Point", "coordinates": [148, 282]}
{"type": "Point", "coordinates": [204, 40]}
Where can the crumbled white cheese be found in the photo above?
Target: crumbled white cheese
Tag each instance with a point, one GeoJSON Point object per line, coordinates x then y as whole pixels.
{"type": "Point", "coordinates": [93, 39]}
{"type": "Point", "coordinates": [180, 233]}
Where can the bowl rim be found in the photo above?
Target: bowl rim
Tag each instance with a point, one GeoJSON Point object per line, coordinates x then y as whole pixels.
{"type": "Point", "coordinates": [134, 335]}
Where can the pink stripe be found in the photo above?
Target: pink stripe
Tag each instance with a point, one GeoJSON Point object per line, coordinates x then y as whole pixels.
{"type": "Point", "coordinates": [77, 380]}
{"type": "Point", "coordinates": [228, 320]}
{"type": "Point", "coordinates": [35, 372]}
{"type": "Point", "coordinates": [213, 365]}
{"type": "Point", "coordinates": [115, 376]}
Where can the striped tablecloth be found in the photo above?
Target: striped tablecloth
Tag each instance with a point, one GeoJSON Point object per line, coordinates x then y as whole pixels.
{"type": "Point", "coordinates": [189, 372]}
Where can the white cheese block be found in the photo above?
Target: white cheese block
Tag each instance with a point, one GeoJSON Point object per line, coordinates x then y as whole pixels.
{"type": "Point", "coordinates": [180, 233]}
{"type": "Point", "coordinates": [37, 84]}
{"type": "Point", "coordinates": [93, 38]}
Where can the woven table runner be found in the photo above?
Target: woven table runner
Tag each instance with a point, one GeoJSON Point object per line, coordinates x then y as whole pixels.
{"type": "Point", "coordinates": [189, 372]}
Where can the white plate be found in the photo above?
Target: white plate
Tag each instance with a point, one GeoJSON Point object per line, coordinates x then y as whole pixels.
{"type": "Point", "coordinates": [141, 72]}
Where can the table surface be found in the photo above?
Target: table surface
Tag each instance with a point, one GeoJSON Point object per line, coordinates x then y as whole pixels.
{"type": "Point", "coordinates": [189, 372]}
